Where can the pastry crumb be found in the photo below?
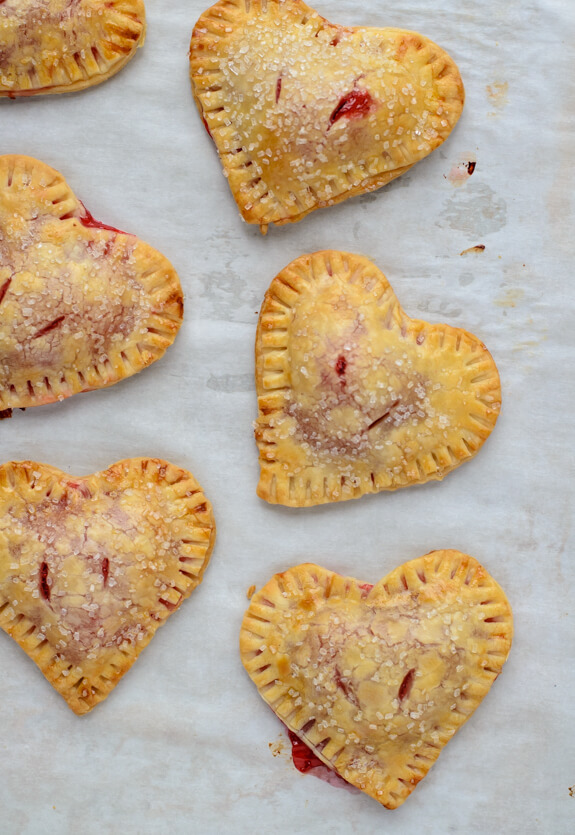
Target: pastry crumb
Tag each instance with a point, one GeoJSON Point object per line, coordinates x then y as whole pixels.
{"type": "Point", "coordinates": [476, 248]}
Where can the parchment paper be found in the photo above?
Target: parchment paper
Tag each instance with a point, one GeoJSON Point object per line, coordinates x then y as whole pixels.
{"type": "Point", "coordinates": [185, 744]}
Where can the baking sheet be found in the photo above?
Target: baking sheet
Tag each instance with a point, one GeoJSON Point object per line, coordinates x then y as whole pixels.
{"type": "Point", "coordinates": [185, 744]}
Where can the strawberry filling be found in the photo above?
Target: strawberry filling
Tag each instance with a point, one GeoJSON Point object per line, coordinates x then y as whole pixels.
{"type": "Point", "coordinates": [4, 288]}
{"type": "Point", "coordinates": [303, 757]}
{"type": "Point", "coordinates": [341, 365]}
{"type": "Point", "coordinates": [90, 222]}
{"type": "Point", "coordinates": [81, 488]}
{"type": "Point", "coordinates": [306, 761]}
{"type": "Point", "coordinates": [356, 104]}
{"type": "Point", "coordinates": [207, 128]}
{"type": "Point", "coordinates": [44, 585]}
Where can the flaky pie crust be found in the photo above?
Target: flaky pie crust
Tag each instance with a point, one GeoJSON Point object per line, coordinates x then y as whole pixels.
{"type": "Point", "coordinates": [377, 679]}
{"type": "Point", "coordinates": [354, 396]}
{"type": "Point", "coordinates": [60, 46]}
{"type": "Point", "coordinates": [82, 305]}
{"type": "Point", "coordinates": [90, 567]}
{"type": "Point", "coordinates": [305, 113]}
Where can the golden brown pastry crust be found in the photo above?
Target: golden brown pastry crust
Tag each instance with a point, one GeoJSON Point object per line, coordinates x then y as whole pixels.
{"type": "Point", "coordinates": [305, 113]}
{"type": "Point", "coordinates": [90, 567]}
{"type": "Point", "coordinates": [81, 306]}
{"type": "Point", "coordinates": [60, 46]}
{"type": "Point", "coordinates": [376, 680]}
{"type": "Point", "coordinates": [354, 396]}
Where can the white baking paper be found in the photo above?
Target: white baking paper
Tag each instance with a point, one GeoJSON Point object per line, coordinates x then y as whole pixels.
{"type": "Point", "coordinates": [185, 744]}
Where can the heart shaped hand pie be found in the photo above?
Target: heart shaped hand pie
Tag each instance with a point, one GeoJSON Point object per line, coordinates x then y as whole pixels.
{"type": "Point", "coordinates": [82, 305]}
{"type": "Point", "coordinates": [91, 567]}
{"type": "Point", "coordinates": [354, 397]}
{"type": "Point", "coordinates": [377, 679]}
{"type": "Point", "coordinates": [59, 46]}
{"type": "Point", "coordinates": [305, 113]}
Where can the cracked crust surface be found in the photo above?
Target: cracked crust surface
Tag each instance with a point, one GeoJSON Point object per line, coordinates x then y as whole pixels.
{"type": "Point", "coordinates": [305, 113]}
{"type": "Point", "coordinates": [82, 305]}
{"type": "Point", "coordinates": [354, 396]}
{"type": "Point", "coordinates": [90, 567]}
{"type": "Point", "coordinates": [377, 679]}
{"type": "Point", "coordinates": [60, 46]}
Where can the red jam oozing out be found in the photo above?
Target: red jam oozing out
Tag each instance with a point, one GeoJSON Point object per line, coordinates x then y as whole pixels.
{"type": "Point", "coordinates": [406, 685]}
{"type": "Point", "coordinates": [80, 487]}
{"type": "Point", "coordinates": [4, 288]}
{"type": "Point", "coordinates": [90, 222]}
{"type": "Point", "coordinates": [306, 761]}
{"type": "Point", "coordinates": [366, 588]}
{"type": "Point", "coordinates": [44, 587]}
{"type": "Point", "coordinates": [354, 105]}
{"type": "Point", "coordinates": [303, 757]}
{"type": "Point", "coordinates": [49, 327]}
{"type": "Point", "coordinates": [207, 128]}
{"type": "Point", "coordinates": [341, 365]}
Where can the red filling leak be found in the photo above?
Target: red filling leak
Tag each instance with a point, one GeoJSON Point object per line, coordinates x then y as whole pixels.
{"type": "Point", "coordinates": [341, 365]}
{"type": "Point", "coordinates": [105, 569]}
{"type": "Point", "coordinates": [355, 105]}
{"type": "Point", "coordinates": [90, 222]}
{"type": "Point", "coordinates": [49, 327]}
{"type": "Point", "coordinates": [81, 488]}
{"type": "Point", "coordinates": [303, 758]}
{"type": "Point", "coordinates": [44, 587]}
{"type": "Point", "coordinates": [406, 685]}
{"type": "Point", "coordinates": [4, 289]}
{"type": "Point", "coordinates": [366, 588]}
{"type": "Point", "coordinates": [207, 128]}
{"type": "Point", "coordinates": [306, 761]}
{"type": "Point", "coordinates": [346, 690]}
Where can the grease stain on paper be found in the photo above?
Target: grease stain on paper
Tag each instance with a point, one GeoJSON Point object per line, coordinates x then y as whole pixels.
{"type": "Point", "coordinates": [229, 295]}
{"type": "Point", "coordinates": [430, 307]}
{"type": "Point", "coordinates": [497, 95]}
{"type": "Point", "coordinates": [477, 211]}
{"type": "Point", "coordinates": [511, 297]}
{"type": "Point", "coordinates": [560, 197]}
{"type": "Point", "coordinates": [230, 383]}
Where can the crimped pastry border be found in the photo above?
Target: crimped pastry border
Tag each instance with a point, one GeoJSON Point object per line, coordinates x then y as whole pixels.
{"type": "Point", "coordinates": [285, 608]}
{"type": "Point", "coordinates": [49, 71]}
{"type": "Point", "coordinates": [85, 685]}
{"type": "Point", "coordinates": [158, 279]}
{"type": "Point", "coordinates": [310, 484]}
{"type": "Point", "coordinates": [259, 199]}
